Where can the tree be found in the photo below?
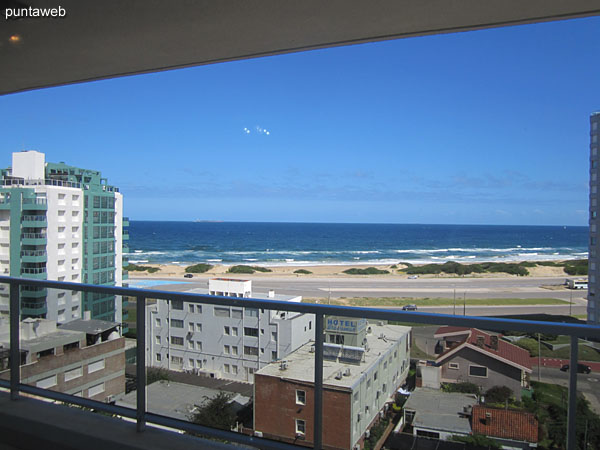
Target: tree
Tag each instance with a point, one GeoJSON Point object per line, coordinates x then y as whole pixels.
{"type": "Point", "coordinates": [498, 394]}
{"type": "Point", "coordinates": [216, 412]}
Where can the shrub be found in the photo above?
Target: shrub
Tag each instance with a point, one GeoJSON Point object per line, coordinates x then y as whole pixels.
{"type": "Point", "coordinates": [136, 268]}
{"type": "Point", "coordinates": [464, 387]}
{"type": "Point", "coordinates": [303, 271]}
{"type": "Point", "coordinates": [154, 374]}
{"type": "Point", "coordinates": [198, 268]}
{"type": "Point", "coordinates": [247, 269]}
{"type": "Point", "coordinates": [498, 394]}
{"type": "Point", "coordinates": [367, 271]}
{"type": "Point", "coordinates": [576, 267]}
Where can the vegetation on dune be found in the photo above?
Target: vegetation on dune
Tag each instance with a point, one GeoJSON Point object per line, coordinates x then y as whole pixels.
{"type": "Point", "coordinates": [576, 267]}
{"type": "Point", "coordinates": [303, 271]}
{"type": "Point", "coordinates": [247, 269]}
{"type": "Point", "coordinates": [136, 268]}
{"type": "Point", "coordinates": [198, 268]}
{"type": "Point", "coordinates": [367, 271]}
{"type": "Point", "coordinates": [455, 268]}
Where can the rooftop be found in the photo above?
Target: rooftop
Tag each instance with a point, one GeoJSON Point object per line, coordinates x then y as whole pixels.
{"type": "Point", "coordinates": [255, 295]}
{"type": "Point", "coordinates": [92, 326]}
{"type": "Point", "coordinates": [301, 363]}
{"type": "Point", "coordinates": [505, 424]}
{"type": "Point", "coordinates": [444, 411]}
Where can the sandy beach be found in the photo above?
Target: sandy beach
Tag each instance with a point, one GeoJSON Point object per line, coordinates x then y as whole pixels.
{"type": "Point", "coordinates": [172, 270]}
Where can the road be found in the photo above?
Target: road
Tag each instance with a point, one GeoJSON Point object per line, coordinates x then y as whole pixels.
{"type": "Point", "coordinates": [587, 384]}
{"type": "Point", "coordinates": [501, 287]}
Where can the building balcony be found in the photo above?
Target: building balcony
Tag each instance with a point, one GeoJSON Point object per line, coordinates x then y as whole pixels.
{"type": "Point", "coordinates": [36, 273]}
{"type": "Point", "coordinates": [30, 293]}
{"type": "Point", "coordinates": [34, 221]}
{"type": "Point", "coordinates": [316, 364]}
{"type": "Point", "coordinates": [38, 203]}
{"type": "Point", "coordinates": [125, 222]}
{"type": "Point", "coordinates": [33, 239]}
{"type": "Point", "coordinates": [34, 256]}
{"type": "Point", "coordinates": [29, 308]}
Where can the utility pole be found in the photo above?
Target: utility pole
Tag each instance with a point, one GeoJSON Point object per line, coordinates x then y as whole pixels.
{"type": "Point", "coordinates": [570, 303]}
{"type": "Point", "coordinates": [465, 303]}
{"type": "Point", "coordinates": [539, 358]}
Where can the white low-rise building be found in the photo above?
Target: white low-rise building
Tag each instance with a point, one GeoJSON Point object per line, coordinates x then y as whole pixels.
{"type": "Point", "coordinates": [224, 341]}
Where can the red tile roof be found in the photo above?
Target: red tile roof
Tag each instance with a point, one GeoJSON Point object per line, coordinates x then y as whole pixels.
{"type": "Point", "coordinates": [449, 330]}
{"type": "Point", "coordinates": [505, 349]}
{"type": "Point", "coordinates": [505, 424]}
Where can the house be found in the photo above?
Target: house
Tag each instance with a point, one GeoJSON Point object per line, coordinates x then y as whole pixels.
{"type": "Point", "coordinates": [472, 355]}
{"type": "Point", "coordinates": [512, 429]}
{"type": "Point", "coordinates": [438, 415]}
{"type": "Point", "coordinates": [359, 382]}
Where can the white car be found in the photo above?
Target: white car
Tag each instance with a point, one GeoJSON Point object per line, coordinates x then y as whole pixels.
{"type": "Point", "coordinates": [413, 277]}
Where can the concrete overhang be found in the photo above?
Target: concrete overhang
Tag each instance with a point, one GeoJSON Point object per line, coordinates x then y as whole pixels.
{"type": "Point", "coordinates": [111, 38]}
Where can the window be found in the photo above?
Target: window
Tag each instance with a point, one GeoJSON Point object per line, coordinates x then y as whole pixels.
{"type": "Point", "coordinates": [252, 351]}
{"type": "Point", "coordinates": [157, 322]}
{"type": "Point", "coordinates": [176, 340]}
{"type": "Point", "coordinates": [429, 434]}
{"type": "Point", "coordinates": [236, 313]}
{"type": "Point", "coordinates": [158, 340]}
{"type": "Point", "coordinates": [191, 307]}
{"type": "Point", "coordinates": [47, 382]}
{"type": "Point", "coordinates": [177, 360]}
{"type": "Point", "coordinates": [199, 346]}
{"type": "Point", "coordinates": [95, 390]}
{"type": "Point", "coordinates": [226, 349]}
{"type": "Point", "coordinates": [221, 312]}
{"type": "Point", "coordinates": [226, 368]}
{"type": "Point", "coordinates": [273, 355]}
{"type": "Point", "coordinates": [300, 427]}
{"type": "Point", "coordinates": [234, 331]}
{"type": "Point", "coordinates": [253, 332]}
{"type": "Point", "coordinates": [234, 370]}
{"type": "Point", "coordinates": [453, 365]}
{"type": "Point", "coordinates": [177, 323]}
{"type": "Point", "coordinates": [300, 397]}
{"type": "Point", "coordinates": [478, 371]}
{"type": "Point", "coordinates": [191, 327]}
{"type": "Point", "coordinates": [191, 345]}
{"type": "Point", "coordinates": [226, 331]}
{"type": "Point", "coordinates": [177, 305]}
{"type": "Point", "coordinates": [199, 327]}
{"type": "Point", "coordinates": [191, 363]}
{"type": "Point", "coordinates": [234, 350]}
{"type": "Point", "coordinates": [251, 312]}
{"type": "Point", "coordinates": [273, 335]}
{"type": "Point", "coordinates": [96, 366]}
{"type": "Point", "coordinates": [158, 357]}
{"type": "Point", "coordinates": [73, 373]}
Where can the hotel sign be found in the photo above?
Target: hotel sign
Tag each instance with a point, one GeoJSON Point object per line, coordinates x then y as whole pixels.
{"type": "Point", "coordinates": [345, 325]}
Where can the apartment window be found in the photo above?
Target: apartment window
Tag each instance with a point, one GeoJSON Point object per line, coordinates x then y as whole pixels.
{"type": "Point", "coordinates": [191, 307]}
{"type": "Point", "coordinates": [191, 345]}
{"type": "Point", "coordinates": [177, 305]}
{"type": "Point", "coordinates": [221, 312]}
{"type": "Point", "coordinates": [158, 357]}
{"type": "Point", "coordinates": [177, 360]}
{"type": "Point", "coordinates": [176, 340]}
{"type": "Point", "coordinates": [73, 373]}
{"type": "Point", "coordinates": [47, 382]}
{"type": "Point", "coordinates": [234, 350]}
{"type": "Point", "coordinates": [252, 351]}
{"type": "Point", "coordinates": [300, 397]}
{"type": "Point", "coordinates": [375, 376]}
{"type": "Point", "coordinates": [158, 340]}
{"type": "Point", "coordinates": [199, 346]}
{"type": "Point", "coordinates": [199, 363]}
{"type": "Point", "coordinates": [226, 331]}
{"type": "Point", "coordinates": [191, 327]}
{"type": "Point", "coordinates": [177, 323]}
{"type": "Point", "coordinates": [226, 349]}
{"type": "Point", "coordinates": [191, 363]}
{"type": "Point", "coordinates": [234, 370]}
{"type": "Point", "coordinates": [226, 368]}
{"type": "Point", "coordinates": [157, 322]}
{"type": "Point", "coordinates": [234, 331]}
{"type": "Point", "coordinates": [273, 335]}
{"type": "Point", "coordinates": [453, 365]}
{"type": "Point", "coordinates": [96, 366]}
{"type": "Point", "coordinates": [251, 312]}
{"type": "Point", "coordinates": [300, 427]}
{"type": "Point", "coordinates": [95, 390]}
{"type": "Point", "coordinates": [253, 332]}
{"type": "Point", "coordinates": [199, 327]}
{"type": "Point", "coordinates": [273, 356]}
{"type": "Point", "coordinates": [478, 371]}
{"type": "Point", "coordinates": [236, 313]}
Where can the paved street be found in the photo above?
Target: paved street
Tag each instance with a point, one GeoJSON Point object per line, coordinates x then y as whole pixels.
{"type": "Point", "coordinates": [587, 384]}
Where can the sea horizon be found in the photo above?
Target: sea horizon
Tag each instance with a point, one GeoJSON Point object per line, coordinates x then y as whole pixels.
{"type": "Point", "coordinates": [310, 243]}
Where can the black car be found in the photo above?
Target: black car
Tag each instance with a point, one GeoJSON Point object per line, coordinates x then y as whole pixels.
{"type": "Point", "coordinates": [409, 308]}
{"type": "Point", "coordinates": [188, 275]}
{"type": "Point", "coordinates": [581, 368]}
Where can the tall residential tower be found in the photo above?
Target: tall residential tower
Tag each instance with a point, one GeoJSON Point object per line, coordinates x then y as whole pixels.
{"type": "Point", "coordinates": [59, 222]}
{"type": "Point", "coordinates": [594, 256]}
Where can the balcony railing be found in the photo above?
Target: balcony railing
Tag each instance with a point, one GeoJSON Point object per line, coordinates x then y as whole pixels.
{"type": "Point", "coordinates": [33, 218]}
{"type": "Point", "coordinates": [33, 252]}
{"type": "Point", "coordinates": [35, 201]}
{"type": "Point", "coordinates": [33, 270]}
{"type": "Point", "coordinates": [33, 236]}
{"type": "Point", "coordinates": [143, 416]}
{"type": "Point", "coordinates": [38, 182]}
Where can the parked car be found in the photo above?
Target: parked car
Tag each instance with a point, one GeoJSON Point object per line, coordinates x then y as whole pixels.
{"type": "Point", "coordinates": [413, 277]}
{"type": "Point", "coordinates": [581, 368]}
{"type": "Point", "coordinates": [188, 275]}
{"type": "Point", "coordinates": [409, 308]}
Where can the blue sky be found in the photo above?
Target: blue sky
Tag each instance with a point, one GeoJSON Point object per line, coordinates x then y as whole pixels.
{"type": "Point", "coordinates": [486, 127]}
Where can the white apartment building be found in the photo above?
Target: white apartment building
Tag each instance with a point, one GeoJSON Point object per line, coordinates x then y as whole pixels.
{"type": "Point", "coordinates": [223, 341]}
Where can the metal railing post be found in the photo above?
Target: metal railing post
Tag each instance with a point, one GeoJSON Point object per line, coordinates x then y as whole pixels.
{"type": "Point", "coordinates": [140, 313]}
{"type": "Point", "coordinates": [318, 425]}
{"type": "Point", "coordinates": [15, 354]}
{"type": "Point", "coordinates": [572, 411]}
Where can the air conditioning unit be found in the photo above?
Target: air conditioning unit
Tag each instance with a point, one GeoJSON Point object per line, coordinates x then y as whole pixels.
{"type": "Point", "coordinates": [258, 433]}
{"type": "Point", "coordinates": [110, 399]}
{"type": "Point", "coordinates": [312, 349]}
{"type": "Point", "coordinates": [367, 434]}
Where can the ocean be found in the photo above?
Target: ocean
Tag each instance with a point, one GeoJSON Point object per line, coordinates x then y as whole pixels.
{"type": "Point", "coordinates": [300, 244]}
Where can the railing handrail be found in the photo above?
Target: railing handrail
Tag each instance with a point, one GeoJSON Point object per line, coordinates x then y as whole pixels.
{"type": "Point", "coordinates": [488, 323]}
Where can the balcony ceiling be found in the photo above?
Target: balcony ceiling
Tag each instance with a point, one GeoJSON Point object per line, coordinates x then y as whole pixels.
{"type": "Point", "coordinates": [110, 38]}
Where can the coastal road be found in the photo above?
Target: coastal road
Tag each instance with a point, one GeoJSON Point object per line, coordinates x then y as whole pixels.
{"type": "Point", "coordinates": [587, 384]}
{"type": "Point", "coordinates": [501, 287]}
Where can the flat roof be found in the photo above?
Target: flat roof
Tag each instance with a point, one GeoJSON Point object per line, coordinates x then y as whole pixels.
{"type": "Point", "coordinates": [301, 363]}
{"type": "Point", "coordinates": [92, 326]}
{"type": "Point", "coordinates": [443, 411]}
{"type": "Point", "coordinates": [178, 400]}
{"type": "Point", "coordinates": [51, 340]}
{"type": "Point", "coordinates": [254, 295]}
